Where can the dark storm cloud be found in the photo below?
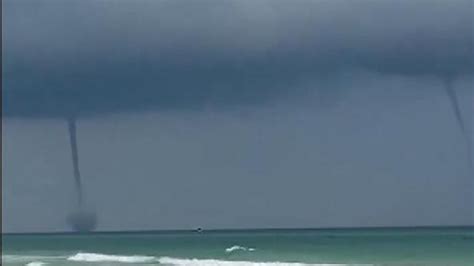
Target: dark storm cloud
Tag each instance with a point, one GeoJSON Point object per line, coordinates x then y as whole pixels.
{"type": "Point", "coordinates": [89, 57]}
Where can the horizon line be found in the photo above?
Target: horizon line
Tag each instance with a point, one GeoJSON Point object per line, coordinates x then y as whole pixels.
{"type": "Point", "coordinates": [201, 230]}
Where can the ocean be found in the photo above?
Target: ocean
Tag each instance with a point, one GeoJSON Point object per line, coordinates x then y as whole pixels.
{"type": "Point", "coordinates": [422, 246]}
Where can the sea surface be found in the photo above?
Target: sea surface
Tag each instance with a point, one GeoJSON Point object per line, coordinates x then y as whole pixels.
{"type": "Point", "coordinates": [433, 246]}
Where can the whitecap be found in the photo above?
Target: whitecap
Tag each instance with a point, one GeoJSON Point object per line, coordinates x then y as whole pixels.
{"type": "Point", "coordinates": [211, 262]}
{"type": "Point", "coordinates": [236, 248]}
{"type": "Point", "coordinates": [97, 257]}
{"type": "Point", "coordinates": [35, 263]}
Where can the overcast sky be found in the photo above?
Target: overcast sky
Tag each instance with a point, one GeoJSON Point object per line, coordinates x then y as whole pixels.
{"type": "Point", "coordinates": [238, 114]}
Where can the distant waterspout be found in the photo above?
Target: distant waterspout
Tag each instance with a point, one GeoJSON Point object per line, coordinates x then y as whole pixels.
{"type": "Point", "coordinates": [450, 90]}
{"type": "Point", "coordinates": [71, 121]}
{"type": "Point", "coordinates": [81, 219]}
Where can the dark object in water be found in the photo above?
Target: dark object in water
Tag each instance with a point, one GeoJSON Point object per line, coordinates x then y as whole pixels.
{"type": "Point", "coordinates": [83, 221]}
{"type": "Point", "coordinates": [199, 230]}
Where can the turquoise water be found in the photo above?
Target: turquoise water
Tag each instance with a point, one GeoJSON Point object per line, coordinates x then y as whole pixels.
{"type": "Point", "coordinates": [454, 246]}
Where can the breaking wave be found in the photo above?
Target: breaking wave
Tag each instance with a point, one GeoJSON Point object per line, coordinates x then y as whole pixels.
{"type": "Point", "coordinates": [211, 262]}
{"type": "Point", "coordinates": [237, 248]}
{"type": "Point", "coordinates": [96, 257]}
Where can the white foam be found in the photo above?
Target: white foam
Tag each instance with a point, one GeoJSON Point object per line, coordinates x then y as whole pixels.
{"type": "Point", "coordinates": [35, 263]}
{"type": "Point", "coordinates": [210, 262]}
{"type": "Point", "coordinates": [236, 248]}
{"type": "Point", "coordinates": [95, 257]}
{"type": "Point", "coordinates": [27, 258]}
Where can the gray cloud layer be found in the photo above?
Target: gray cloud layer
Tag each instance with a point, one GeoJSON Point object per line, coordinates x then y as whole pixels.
{"type": "Point", "coordinates": [89, 57]}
